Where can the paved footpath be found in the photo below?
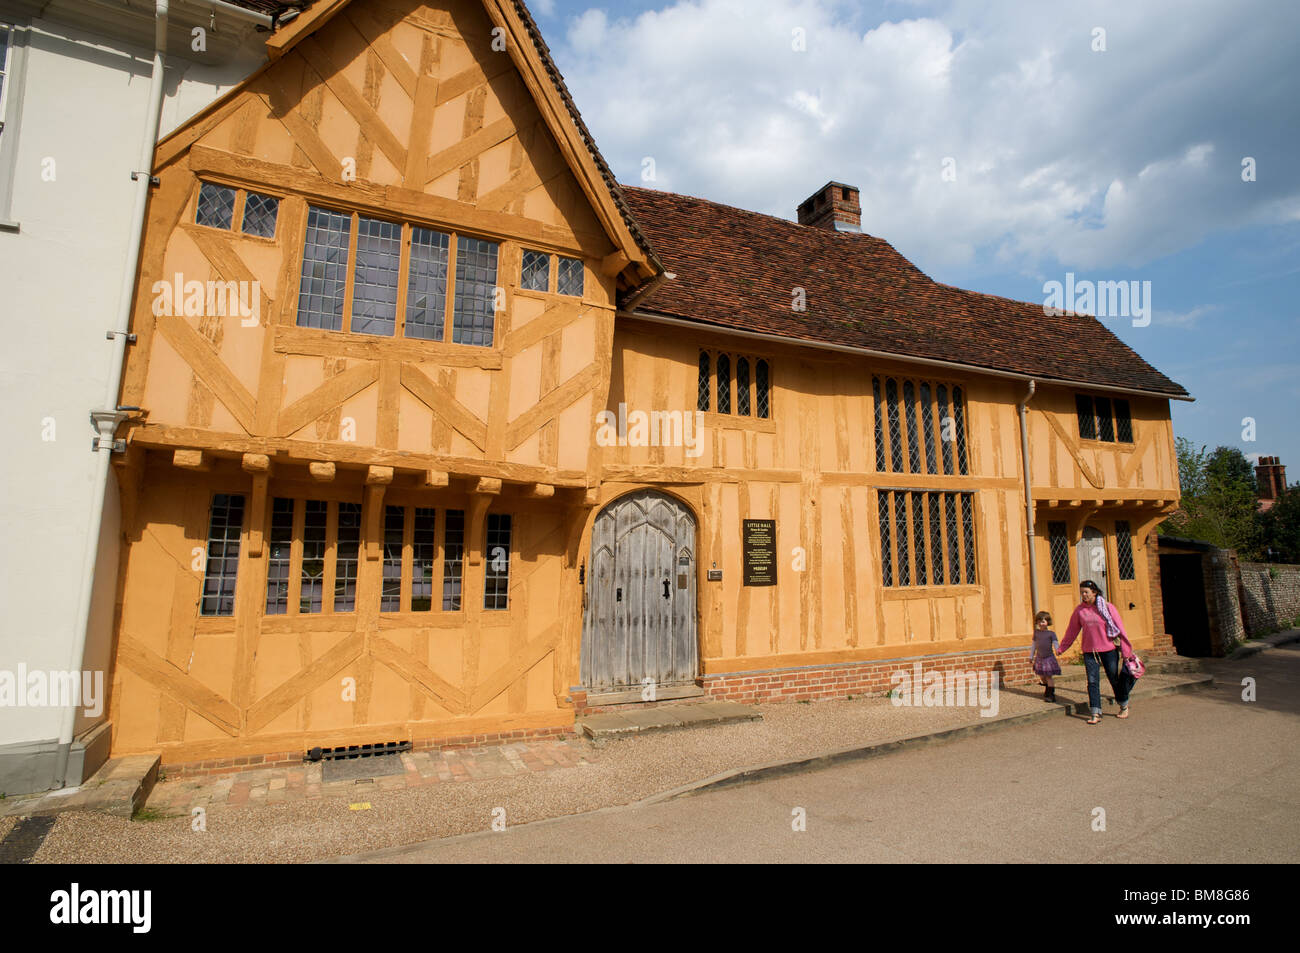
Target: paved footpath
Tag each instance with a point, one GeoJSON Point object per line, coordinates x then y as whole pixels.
{"type": "Point", "coordinates": [1191, 778]}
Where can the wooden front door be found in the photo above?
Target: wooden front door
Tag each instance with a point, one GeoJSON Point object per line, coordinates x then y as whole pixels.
{"type": "Point", "coordinates": [1092, 559]}
{"type": "Point", "coordinates": [639, 619]}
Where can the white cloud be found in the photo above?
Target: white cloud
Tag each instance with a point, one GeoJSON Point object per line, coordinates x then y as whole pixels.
{"type": "Point", "coordinates": [1062, 154]}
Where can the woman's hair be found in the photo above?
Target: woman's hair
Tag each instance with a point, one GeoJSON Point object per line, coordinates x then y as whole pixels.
{"type": "Point", "coordinates": [1089, 584]}
{"type": "Point", "coordinates": [1043, 617]}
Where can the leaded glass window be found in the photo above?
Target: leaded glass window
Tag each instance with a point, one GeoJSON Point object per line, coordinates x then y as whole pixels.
{"type": "Point", "coordinates": [762, 398]}
{"type": "Point", "coordinates": [886, 543]}
{"type": "Point", "coordinates": [1087, 420]}
{"type": "Point", "coordinates": [1123, 422]}
{"type": "Point", "coordinates": [705, 387]}
{"type": "Point", "coordinates": [374, 282]}
{"type": "Point", "coordinates": [453, 556]}
{"type": "Point", "coordinates": [1105, 424]}
{"type": "Point", "coordinates": [221, 565]}
{"type": "Point", "coordinates": [742, 387]}
{"type": "Point", "coordinates": [900, 534]}
{"type": "Point", "coordinates": [913, 442]}
{"type": "Point", "coordinates": [959, 428]}
{"type": "Point", "coordinates": [216, 207]}
{"type": "Point", "coordinates": [474, 312]}
{"type": "Point", "coordinates": [1124, 549]}
{"type": "Point", "coordinates": [1059, 545]}
{"type": "Point", "coordinates": [390, 599]}
{"type": "Point", "coordinates": [426, 284]}
{"type": "Point", "coordinates": [724, 384]}
{"type": "Point", "coordinates": [422, 555]}
{"type": "Point", "coordinates": [936, 541]}
{"type": "Point", "coordinates": [945, 428]}
{"type": "Point", "coordinates": [895, 437]}
{"type": "Point", "coordinates": [927, 424]}
{"type": "Point", "coordinates": [347, 551]}
{"type": "Point", "coordinates": [535, 271]}
{"type": "Point", "coordinates": [496, 587]}
{"type": "Point", "coordinates": [879, 430]}
{"type": "Point", "coordinates": [260, 212]}
{"type": "Point", "coordinates": [568, 276]}
{"type": "Point", "coordinates": [324, 270]}
{"type": "Point", "coordinates": [918, 537]}
{"type": "Point", "coordinates": [279, 557]}
{"type": "Point", "coordinates": [954, 538]}
{"type": "Point", "coordinates": [968, 535]}
{"type": "Point", "coordinates": [312, 592]}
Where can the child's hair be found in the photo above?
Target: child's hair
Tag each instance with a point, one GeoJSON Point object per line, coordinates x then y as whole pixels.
{"type": "Point", "coordinates": [1043, 617]}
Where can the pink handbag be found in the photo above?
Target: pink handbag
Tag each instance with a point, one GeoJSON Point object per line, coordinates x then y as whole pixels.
{"type": "Point", "coordinates": [1135, 666]}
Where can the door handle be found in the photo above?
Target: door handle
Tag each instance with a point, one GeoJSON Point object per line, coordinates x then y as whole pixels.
{"type": "Point", "coordinates": [666, 593]}
{"type": "Point", "coordinates": [618, 595]}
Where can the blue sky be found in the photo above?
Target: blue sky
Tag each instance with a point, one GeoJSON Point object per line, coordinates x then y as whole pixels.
{"type": "Point", "coordinates": [1122, 163]}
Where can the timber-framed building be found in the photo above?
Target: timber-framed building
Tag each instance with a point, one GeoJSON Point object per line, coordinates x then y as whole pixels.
{"type": "Point", "coordinates": [389, 296]}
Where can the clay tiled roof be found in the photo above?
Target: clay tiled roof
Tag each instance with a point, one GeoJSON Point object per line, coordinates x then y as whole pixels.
{"type": "Point", "coordinates": [737, 269]}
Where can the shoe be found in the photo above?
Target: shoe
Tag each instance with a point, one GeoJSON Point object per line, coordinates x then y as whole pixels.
{"type": "Point", "coordinates": [1095, 720]}
{"type": "Point", "coordinates": [1051, 694]}
{"type": "Point", "coordinates": [1047, 694]}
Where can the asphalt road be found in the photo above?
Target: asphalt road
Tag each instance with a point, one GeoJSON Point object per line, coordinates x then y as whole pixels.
{"type": "Point", "coordinates": [1203, 777]}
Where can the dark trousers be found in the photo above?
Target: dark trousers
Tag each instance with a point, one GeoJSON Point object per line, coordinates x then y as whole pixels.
{"type": "Point", "coordinates": [1115, 674]}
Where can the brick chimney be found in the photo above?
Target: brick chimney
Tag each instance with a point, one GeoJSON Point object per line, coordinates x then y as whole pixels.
{"type": "Point", "coordinates": [1270, 477]}
{"type": "Point", "coordinates": [834, 206]}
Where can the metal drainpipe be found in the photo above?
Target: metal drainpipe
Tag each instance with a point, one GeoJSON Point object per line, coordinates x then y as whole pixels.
{"type": "Point", "coordinates": [106, 420]}
{"type": "Point", "coordinates": [1029, 500]}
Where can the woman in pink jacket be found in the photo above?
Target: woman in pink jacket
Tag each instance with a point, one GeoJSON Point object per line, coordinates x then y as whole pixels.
{"type": "Point", "coordinates": [1105, 644]}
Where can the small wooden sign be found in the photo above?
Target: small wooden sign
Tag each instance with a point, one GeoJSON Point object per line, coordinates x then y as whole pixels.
{"type": "Point", "coordinates": [758, 543]}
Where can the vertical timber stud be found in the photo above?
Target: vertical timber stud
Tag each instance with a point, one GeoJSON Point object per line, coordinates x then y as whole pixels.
{"type": "Point", "coordinates": [567, 664]}
{"type": "Point", "coordinates": [259, 466]}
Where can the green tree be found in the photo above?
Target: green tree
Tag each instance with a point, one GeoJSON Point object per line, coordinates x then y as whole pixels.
{"type": "Point", "coordinates": [1279, 528]}
{"type": "Point", "coordinates": [1219, 503]}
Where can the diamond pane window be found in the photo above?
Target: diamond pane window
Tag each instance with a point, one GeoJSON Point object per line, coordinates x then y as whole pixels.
{"type": "Point", "coordinates": [886, 544]}
{"type": "Point", "coordinates": [762, 400]}
{"type": "Point", "coordinates": [453, 555]}
{"type": "Point", "coordinates": [535, 271]}
{"type": "Point", "coordinates": [742, 387]}
{"type": "Point", "coordinates": [216, 207]}
{"type": "Point", "coordinates": [474, 311]}
{"type": "Point", "coordinates": [278, 557]}
{"type": "Point", "coordinates": [1123, 422]}
{"type": "Point", "coordinates": [927, 423]}
{"type": "Point", "coordinates": [1087, 421]}
{"type": "Point", "coordinates": [724, 384]}
{"type": "Point", "coordinates": [918, 536]}
{"type": "Point", "coordinates": [324, 270]}
{"type": "Point", "coordinates": [1124, 549]}
{"type": "Point", "coordinates": [374, 282]}
{"type": "Point", "coordinates": [225, 520]}
{"type": "Point", "coordinates": [705, 388]}
{"type": "Point", "coordinates": [568, 276]}
{"type": "Point", "coordinates": [260, 212]}
{"type": "Point", "coordinates": [945, 428]}
{"type": "Point", "coordinates": [1060, 550]}
{"type": "Point", "coordinates": [968, 534]}
{"type": "Point", "coordinates": [1105, 424]}
{"type": "Point", "coordinates": [913, 442]}
{"type": "Point", "coordinates": [313, 557]}
{"type": "Point", "coordinates": [954, 539]}
{"type": "Point", "coordinates": [422, 551]}
{"type": "Point", "coordinates": [879, 430]}
{"type": "Point", "coordinates": [895, 437]}
{"type": "Point", "coordinates": [426, 285]}
{"type": "Point", "coordinates": [936, 541]}
{"type": "Point", "coordinates": [900, 537]}
{"type": "Point", "coordinates": [390, 598]}
{"type": "Point", "coordinates": [959, 428]}
{"type": "Point", "coordinates": [345, 560]}
{"type": "Point", "coordinates": [496, 587]}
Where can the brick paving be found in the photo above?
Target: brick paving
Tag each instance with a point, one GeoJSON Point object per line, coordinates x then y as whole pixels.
{"type": "Point", "coordinates": [422, 769]}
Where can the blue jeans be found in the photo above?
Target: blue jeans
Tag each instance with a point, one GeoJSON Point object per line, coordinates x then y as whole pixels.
{"type": "Point", "coordinates": [1093, 662]}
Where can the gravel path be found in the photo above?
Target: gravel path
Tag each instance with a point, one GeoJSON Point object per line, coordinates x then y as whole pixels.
{"type": "Point", "coordinates": [619, 773]}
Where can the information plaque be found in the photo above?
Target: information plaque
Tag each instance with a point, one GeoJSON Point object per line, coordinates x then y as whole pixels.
{"type": "Point", "coordinates": [758, 542]}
